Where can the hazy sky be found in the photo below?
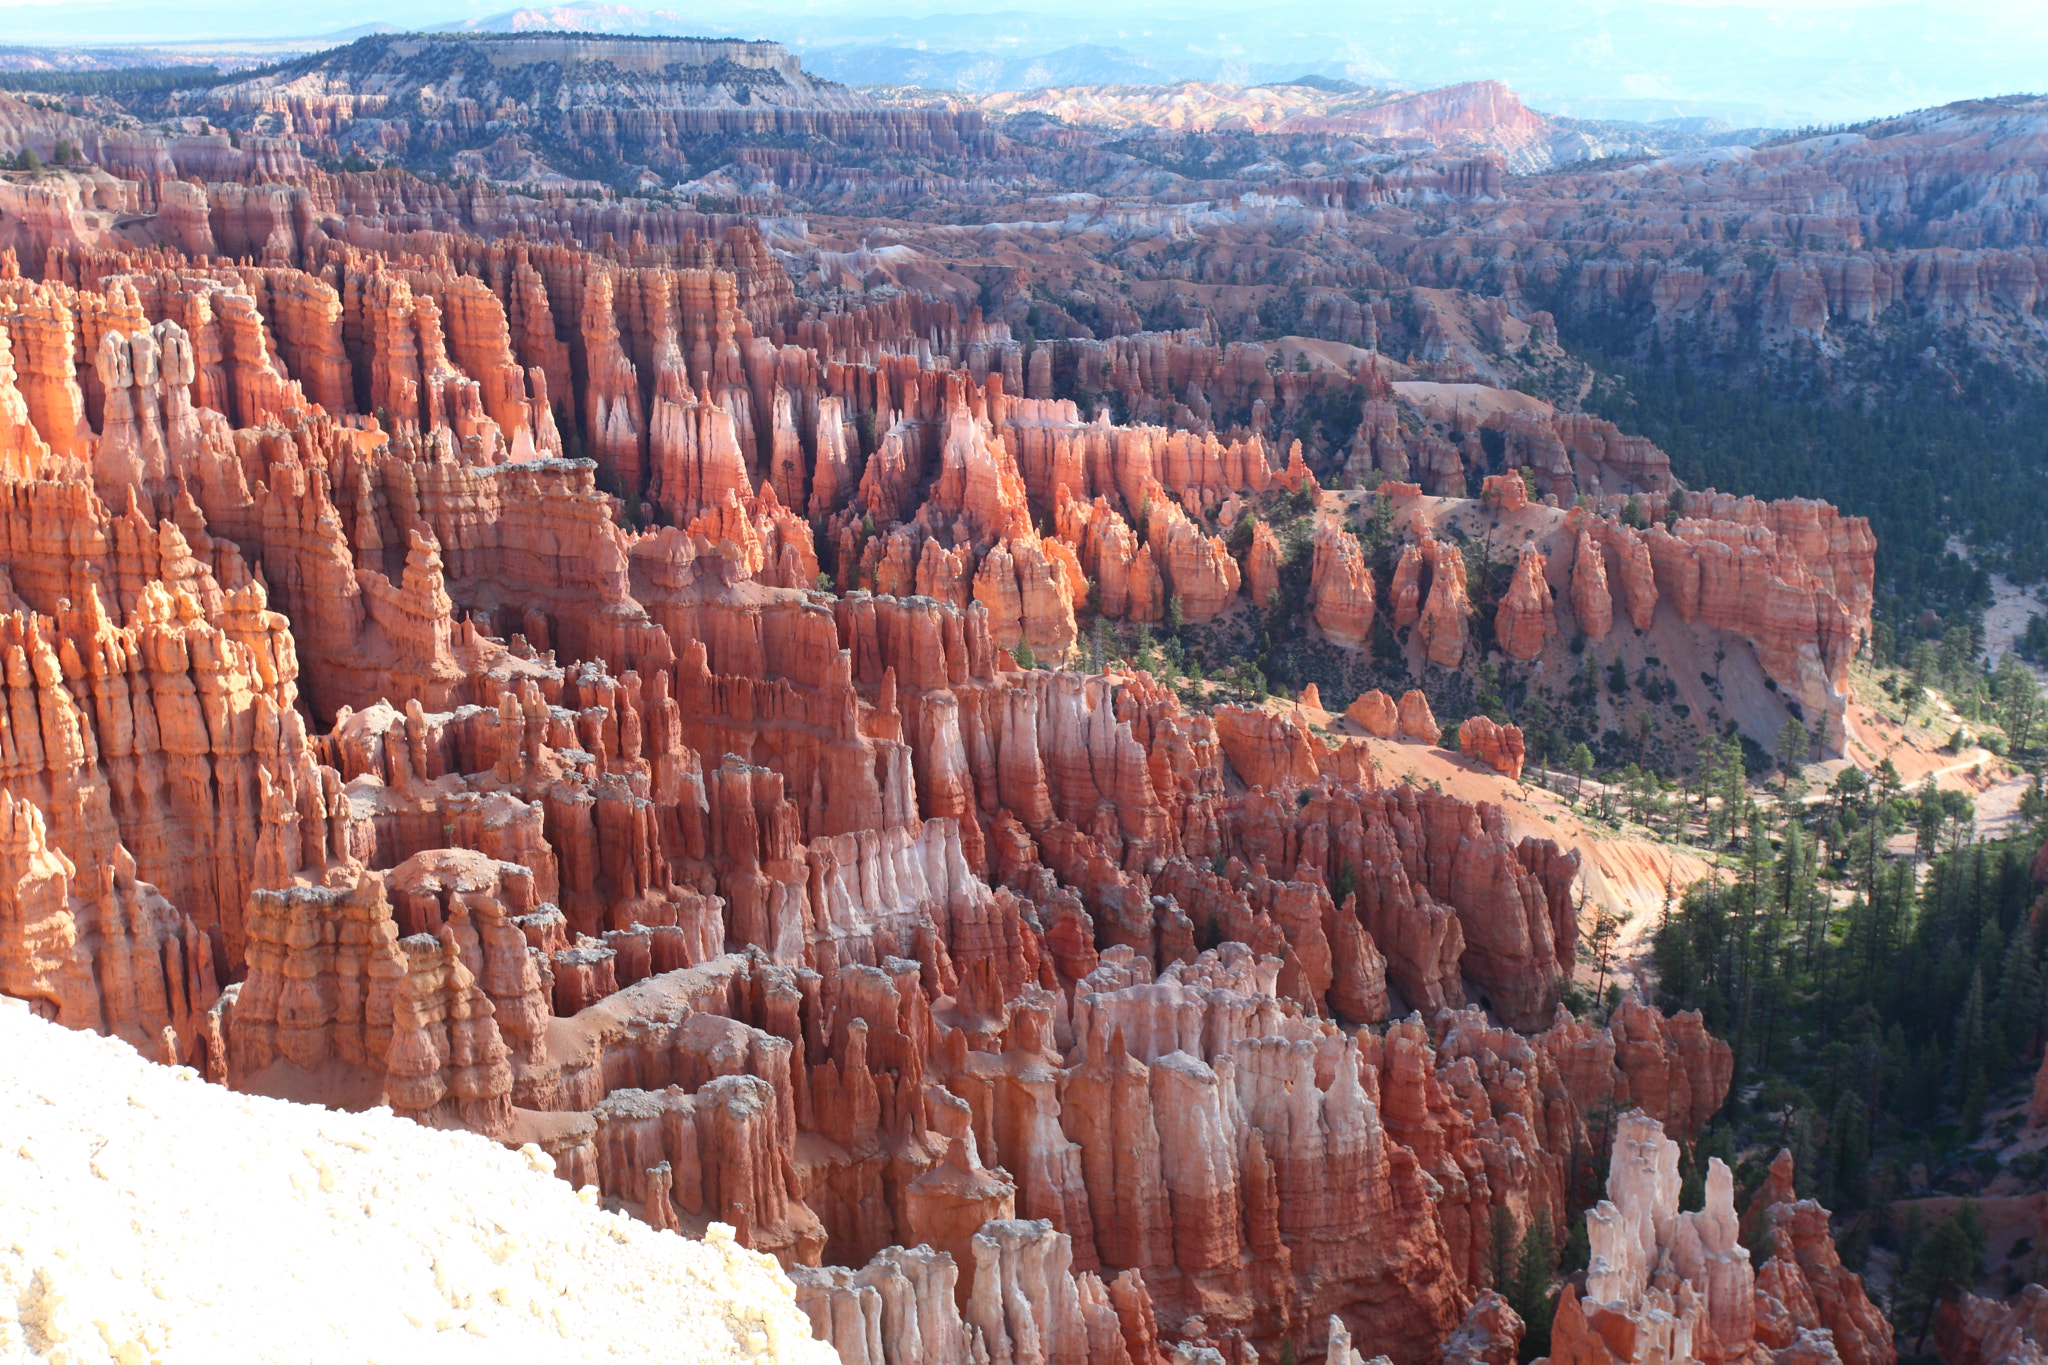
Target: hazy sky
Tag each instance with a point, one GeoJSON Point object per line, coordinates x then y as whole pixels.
{"type": "Point", "coordinates": [1812, 60]}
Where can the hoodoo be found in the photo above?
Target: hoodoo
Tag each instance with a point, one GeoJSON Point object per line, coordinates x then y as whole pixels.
{"type": "Point", "coordinates": [1019, 728]}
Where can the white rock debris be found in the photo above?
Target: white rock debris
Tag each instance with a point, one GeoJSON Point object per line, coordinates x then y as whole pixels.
{"type": "Point", "coordinates": [146, 1216]}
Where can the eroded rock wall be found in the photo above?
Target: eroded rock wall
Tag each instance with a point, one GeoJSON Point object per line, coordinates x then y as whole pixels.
{"type": "Point", "coordinates": [555, 799]}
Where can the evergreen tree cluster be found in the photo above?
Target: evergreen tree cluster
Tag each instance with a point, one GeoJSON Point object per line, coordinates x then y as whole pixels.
{"type": "Point", "coordinates": [126, 81]}
{"type": "Point", "coordinates": [1926, 455]}
{"type": "Point", "coordinates": [1521, 1268]}
{"type": "Point", "coordinates": [1879, 1022]}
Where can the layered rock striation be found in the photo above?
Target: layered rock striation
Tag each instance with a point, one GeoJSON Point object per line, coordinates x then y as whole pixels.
{"type": "Point", "coordinates": [687, 803]}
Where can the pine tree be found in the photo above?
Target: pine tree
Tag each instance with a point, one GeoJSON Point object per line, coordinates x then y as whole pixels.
{"type": "Point", "coordinates": [1943, 1264]}
{"type": "Point", "coordinates": [1500, 1252]}
{"type": "Point", "coordinates": [1793, 746]}
{"type": "Point", "coordinates": [1848, 1154]}
{"type": "Point", "coordinates": [1970, 1061]}
{"type": "Point", "coordinates": [1531, 1297]}
{"type": "Point", "coordinates": [1581, 764]}
{"type": "Point", "coordinates": [2019, 989]}
{"type": "Point", "coordinates": [2019, 701]}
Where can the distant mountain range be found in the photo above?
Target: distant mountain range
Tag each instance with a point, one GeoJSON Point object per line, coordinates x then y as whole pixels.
{"type": "Point", "coordinates": [1598, 59]}
{"type": "Point", "coordinates": [1583, 58]}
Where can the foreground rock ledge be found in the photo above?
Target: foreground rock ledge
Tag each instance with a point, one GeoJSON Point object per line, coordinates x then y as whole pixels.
{"type": "Point", "coordinates": [146, 1215]}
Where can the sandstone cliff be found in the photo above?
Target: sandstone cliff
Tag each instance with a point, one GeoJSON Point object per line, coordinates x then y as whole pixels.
{"type": "Point", "coordinates": [367, 751]}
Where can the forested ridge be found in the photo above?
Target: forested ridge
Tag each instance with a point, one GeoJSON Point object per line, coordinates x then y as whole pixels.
{"type": "Point", "coordinates": [1886, 1012]}
{"type": "Point", "coordinates": [1941, 449]}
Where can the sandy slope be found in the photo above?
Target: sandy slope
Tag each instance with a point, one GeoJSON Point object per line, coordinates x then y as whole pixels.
{"type": "Point", "coordinates": [1622, 873]}
{"type": "Point", "coordinates": [148, 1216]}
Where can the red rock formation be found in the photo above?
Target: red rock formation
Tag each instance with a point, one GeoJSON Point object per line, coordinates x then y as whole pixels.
{"type": "Point", "coordinates": [1525, 620]}
{"type": "Point", "coordinates": [1415, 720]}
{"type": "Point", "coordinates": [748, 901]}
{"type": "Point", "coordinates": [1491, 1333]}
{"type": "Point", "coordinates": [1341, 590]}
{"type": "Point", "coordinates": [1669, 1067]}
{"type": "Point", "coordinates": [42, 328]}
{"type": "Point", "coordinates": [611, 394]}
{"type": "Point", "coordinates": [1793, 577]}
{"type": "Point", "coordinates": [1804, 1286]}
{"type": "Point", "coordinates": [838, 445]}
{"type": "Point", "coordinates": [1262, 565]}
{"type": "Point", "coordinates": [978, 480]}
{"type": "Point", "coordinates": [693, 447]}
{"type": "Point", "coordinates": [1705, 1289]}
{"type": "Point", "coordinates": [1636, 1229]}
{"type": "Point", "coordinates": [1631, 558]}
{"type": "Point", "coordinates": [1265, 749]}
{"type": "Point", "coordinates": [897, 1309]}
{"type": "Point", "coordinates": [1507, 492]}
{"type": "Point", "coordinates": [1195, 568]}
{"type": "Point", "coordinates": [333, 991]}
{"type": "Point", "coordinates": [1592, 603]}
{"type": "Point", "coordinates": [1296, 475]}
{"type": "Point", "coordinates": [1442, 623]}
{"type": "Point", "coordinates": [1029, 1304]}
{"type": "Point", "coordinates": [1376, 712]}
{"type": "Point", "coordinates": [97, 950]}
{"type": "Point", "coordinates": [1028, 596]}
{"type": "Point", "coordinates": [1126, 583]}
{"type": "Point", "coordinates": [1969, 1330]}
{"type": "Point", "coordinates": [1499, 747]}
{"type": "Point", "coordinates": [1406, 594]}
{"type": "Point", "coordinates": [307, 315]}
{"type": "Point", "coordinates": [23, 452]}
